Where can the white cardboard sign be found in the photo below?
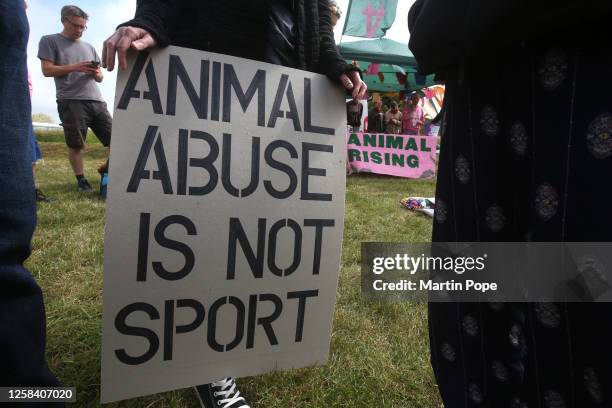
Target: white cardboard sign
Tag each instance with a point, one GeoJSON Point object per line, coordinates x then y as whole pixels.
{"type": "Point", "coordinates": [224, 221]}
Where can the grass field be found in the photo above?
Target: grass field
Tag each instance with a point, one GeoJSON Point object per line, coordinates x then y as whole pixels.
{"type": "Point", "coordinates": [379, 351]}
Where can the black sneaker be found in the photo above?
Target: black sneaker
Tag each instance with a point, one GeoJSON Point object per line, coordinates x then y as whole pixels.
{"type": "Point", "coordinates": [83, 186]}
{"type": "Point", "coordinates": [222, 393]}
{"type": "Point", "coordinates": [41, 197]}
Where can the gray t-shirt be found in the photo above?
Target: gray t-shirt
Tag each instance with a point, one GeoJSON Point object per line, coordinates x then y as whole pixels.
{"type": "Point", "coordinates": [64, 51]}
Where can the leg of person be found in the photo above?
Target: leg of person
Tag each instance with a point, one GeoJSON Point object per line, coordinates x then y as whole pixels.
{"type": "Point", "coordinates": [222, 393]}
{"type": "Point", "coordinates": [76, 161]}
{"type": "Point", "coordinates": [101, 125]}
{"type": "Point", "coordinates": [72, 115]}
{"type": "Point", "coordinates": [36, 156]}
{"type": "Point", "coordinates": [75, 156]}
{"type": "Point", "coordinates": [22, 314]}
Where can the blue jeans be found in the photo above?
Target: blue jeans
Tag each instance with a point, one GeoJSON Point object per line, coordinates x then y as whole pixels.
{"type": "Point", "coordinates": [22, 314]}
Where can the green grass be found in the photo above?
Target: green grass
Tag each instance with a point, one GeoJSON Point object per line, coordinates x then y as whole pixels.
{"type": "Point", "coordinates": [379, 351]}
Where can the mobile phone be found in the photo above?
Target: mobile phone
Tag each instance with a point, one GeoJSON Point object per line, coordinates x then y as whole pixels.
{"type": "Point", "coordinates": [94, 64]}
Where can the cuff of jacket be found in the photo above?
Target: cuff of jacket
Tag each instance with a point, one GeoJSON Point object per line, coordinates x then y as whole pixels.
{"type": "Point", "coordinates": [343, 68]}
{"type": "Point", "coordinates": [153, 25]}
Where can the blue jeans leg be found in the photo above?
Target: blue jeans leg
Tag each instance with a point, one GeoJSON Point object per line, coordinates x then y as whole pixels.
{"type": "Point", "coordinates": [22, 314]}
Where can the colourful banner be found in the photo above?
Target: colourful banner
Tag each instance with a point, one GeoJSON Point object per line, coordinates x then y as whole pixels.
{"type": "Point", "coordinates": [407, 156]}
{"type": "Point", "coordinates": [369, 18]}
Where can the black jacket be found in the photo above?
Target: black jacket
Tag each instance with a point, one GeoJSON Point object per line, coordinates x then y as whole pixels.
{"type": "Point", "coordinates": [240, 28]}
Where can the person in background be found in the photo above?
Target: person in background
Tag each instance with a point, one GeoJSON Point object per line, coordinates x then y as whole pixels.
{"type": "Point", "coordinates": [412, 116]}
{"type": "Point", "coordinates": [393, 120]}
{"type": "Point", "coordinates": [74, 64]}
{"type": "Point", "coordinates": [354, 110]}
{"type": "Point", "coordinates": [35, 149]}
{"type": "Point", "coordinates": [22, 311]}
{"type": "Point", "coordinates": [526, 156]}
{"type": "Point", "coordinates": [336, 13]}
{"type": "Point", "coordinates": [376, 118]}
{"type": "Point", "coordinates": [292, 34]}
{"type": "Point", "coordinates": [36, 153]}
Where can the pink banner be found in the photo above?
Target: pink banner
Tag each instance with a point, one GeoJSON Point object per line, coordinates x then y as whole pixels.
{"type": "Point", "coordinates": [407, 156]}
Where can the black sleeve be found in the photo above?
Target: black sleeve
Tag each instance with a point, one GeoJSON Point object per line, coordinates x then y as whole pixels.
{"type": "Point", "coordinates": [155, 16]}
{"type": "Point", "coordinates": [330, 61]}
{"type": "Point", "coordinates": [445, 32]}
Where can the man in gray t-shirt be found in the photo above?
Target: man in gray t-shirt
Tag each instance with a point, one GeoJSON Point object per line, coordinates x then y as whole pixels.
{"type": "Point", "coordinates": [74, 64]}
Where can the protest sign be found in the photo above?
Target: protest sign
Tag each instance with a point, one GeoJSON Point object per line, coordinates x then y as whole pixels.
{"type": "Point", "coordinates": [224, 221]}
{"type": "Point", "coordinates": [395, 155]}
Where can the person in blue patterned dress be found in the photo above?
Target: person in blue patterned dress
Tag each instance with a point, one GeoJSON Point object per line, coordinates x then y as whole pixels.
{"type": "Point", "coordinates": [526, 155]}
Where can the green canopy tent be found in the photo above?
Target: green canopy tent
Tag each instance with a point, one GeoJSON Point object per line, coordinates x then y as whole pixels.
{"type": "Point", "coordinates": [393, 78]}
{"type": "Point", "coordinates": [381, 50]}
{"type": "Point", "coordinates": [397, 69]}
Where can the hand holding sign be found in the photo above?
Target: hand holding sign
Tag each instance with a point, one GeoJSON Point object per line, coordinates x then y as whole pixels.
{"type": "Point", "coordinates": [352, 82]}
{"type": "Point", "coordinates": [123, 39]}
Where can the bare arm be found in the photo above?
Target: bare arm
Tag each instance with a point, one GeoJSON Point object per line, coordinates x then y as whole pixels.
{"type": "Point", "coordinates": [98, 75]}
{"type": "Point", "coordinates": [49, 69]}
